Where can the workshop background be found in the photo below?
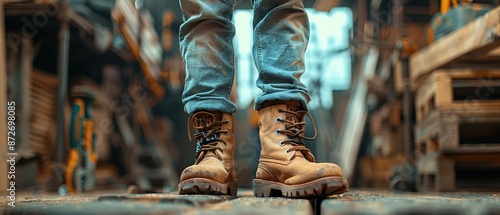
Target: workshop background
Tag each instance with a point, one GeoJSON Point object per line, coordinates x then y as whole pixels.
{"type": "Point", "coordinates": [406, 97]}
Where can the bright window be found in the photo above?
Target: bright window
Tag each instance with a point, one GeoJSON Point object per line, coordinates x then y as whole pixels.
{"type": "Point", "coordinates": [328, 58]}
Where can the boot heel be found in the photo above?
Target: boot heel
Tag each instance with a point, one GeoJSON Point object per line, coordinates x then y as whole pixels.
{"type": "Point", "coordinates": [232, 189]}
{"type": "Point", "coordinates": [260, 189]}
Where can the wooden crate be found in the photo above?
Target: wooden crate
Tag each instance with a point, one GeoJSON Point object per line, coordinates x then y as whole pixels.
{"type": "Point", "coordinates": [452, 129]}
{"type": "Point", "coordinates": [459, 170]}
{"type": "Point", "coordinates": [453, 90]}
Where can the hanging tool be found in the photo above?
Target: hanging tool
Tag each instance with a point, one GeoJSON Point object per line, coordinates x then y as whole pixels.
{"type": "Point", "coordinates": [82, 158]}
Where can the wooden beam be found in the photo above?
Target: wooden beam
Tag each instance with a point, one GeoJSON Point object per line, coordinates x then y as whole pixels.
{"type": "Point", "coordinates": [352, 128]}
{"type": "Point", "coordinates": [25, 107]}
{"type": "Point", "coordinates": [3, 100]}
{"type": "Point", "coordinates": [479, 36]}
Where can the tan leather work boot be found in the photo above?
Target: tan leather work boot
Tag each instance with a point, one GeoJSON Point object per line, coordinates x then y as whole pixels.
{"type": "Point", "coordinates": [213, 171]}
{"type": "Point", "coordinates": [286, 166]}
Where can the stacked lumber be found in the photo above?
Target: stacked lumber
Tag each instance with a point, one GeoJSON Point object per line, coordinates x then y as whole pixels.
{"type": "Point", "coordinates": [457, 106]}
{"type": "Point", "coordinates": [43, 114]}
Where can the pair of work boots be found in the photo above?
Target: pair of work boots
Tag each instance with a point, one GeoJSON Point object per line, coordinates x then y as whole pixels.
{"type": "Point", "coordinates": [286, 166]}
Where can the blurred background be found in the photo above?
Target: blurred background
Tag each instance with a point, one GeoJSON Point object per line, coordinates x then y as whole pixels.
{"type": "Point", "coordinates": [406, 93]}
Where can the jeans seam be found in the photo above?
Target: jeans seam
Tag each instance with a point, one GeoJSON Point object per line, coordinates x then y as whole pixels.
{"type": "Point", "coordinates": [260, 60]}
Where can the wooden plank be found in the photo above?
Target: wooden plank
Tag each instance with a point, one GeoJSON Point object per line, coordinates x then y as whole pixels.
{"type": "Point", "coordinates": [147, 53]}
{"type": "Point", "coordinates": [41, 85]}
{"type": "Point", "coordinates": [353, 123]}
{"type": "Point", "coordinates": [477, 87]}
{"type": "Point", "coordinates": [453, 129]}
{"type": "Point", "coordinates": [475, 36]}
{"type": "Point", "coordinates": [47, 107]}
{"type": "Point", "coordinates": [25, 104]}
{"type": "Point", "coordinates": [3, 100]}
{"type": "Point", "coordinates": [445, 176]}
{"type": "Point", "coordinates": [44, 78]}
{"type": "Point", "coordinates": [443, 172]}
{"type": "Point", "coordinates": [42, 96]}
{"type": "Point", "coordinates": [42, 117]}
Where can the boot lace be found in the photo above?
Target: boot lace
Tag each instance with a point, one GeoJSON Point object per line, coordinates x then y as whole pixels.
{"type": "Point", "coordinates": [295, 129]}
{"type": "Point", "coordinates": [208, 132]}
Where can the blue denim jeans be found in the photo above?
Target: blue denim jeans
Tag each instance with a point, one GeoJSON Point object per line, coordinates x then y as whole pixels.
{"type": "Point", "coordinates": [281, 34]}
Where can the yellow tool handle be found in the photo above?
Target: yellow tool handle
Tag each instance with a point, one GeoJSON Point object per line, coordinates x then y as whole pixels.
{"type": "Point", "coordinates": [89, 125]}
{"type": "Point", "coordinates": [70, 170]}
{"type": "Point", "coordinates": [445, 5]}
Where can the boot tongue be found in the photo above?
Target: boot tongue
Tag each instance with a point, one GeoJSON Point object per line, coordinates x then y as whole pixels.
{"type": "Point", "coordinates": [203, 122]}
{"type": "Point", "coordinates": [292, 117]}
{"type": "Point", "coordinates": [295, 119]}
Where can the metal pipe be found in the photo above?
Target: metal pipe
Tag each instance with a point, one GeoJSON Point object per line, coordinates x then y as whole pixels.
{"type": "Point", "coordinates": [407, 101]}
{"type": "Point", "coordinates": [63, 36]}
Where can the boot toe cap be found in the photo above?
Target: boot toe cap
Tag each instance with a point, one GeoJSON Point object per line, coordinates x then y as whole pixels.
{"type": "Point", "coordinates": [318, 171]}
{"type": "Point", "coordinates": [330, 169]}
{"type": "Point", "coordinates": [214, 172]}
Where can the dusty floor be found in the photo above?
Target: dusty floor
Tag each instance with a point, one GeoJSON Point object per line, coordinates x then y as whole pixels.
{"type": "Point", "coordinates": [353, 202]}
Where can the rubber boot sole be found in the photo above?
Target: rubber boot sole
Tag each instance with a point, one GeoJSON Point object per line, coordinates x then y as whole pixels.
{"type": "Point", "coordinates": [208, 187]}
{"type": "Point", "coordinates": [317, 188]}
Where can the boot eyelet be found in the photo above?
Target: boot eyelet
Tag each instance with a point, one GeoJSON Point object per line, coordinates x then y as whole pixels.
{"type": "Point", "coordinates": [278, 131]}
{"type": "Point", "coordinates": [282, 143]}
{"type": "Point", "coordinates": [278, 119]}
{"type": "Point", "coordinates": [228, 122]}
{"type": "Point", "coordinates": [287, 151]}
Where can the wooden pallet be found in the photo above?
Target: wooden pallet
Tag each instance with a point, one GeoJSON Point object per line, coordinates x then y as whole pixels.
{"type": "Point", "coordinates": [458, 129]}
{"type": "Point", "coordinates": [453, 90]}
{"type": "Point", "coordinates": [476, 45]}
{"type": "Point", "coordinates": [459, 170]}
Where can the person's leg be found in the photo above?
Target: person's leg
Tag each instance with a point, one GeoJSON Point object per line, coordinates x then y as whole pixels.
{"type": "Point", "coordinates": [206, 43]}
{"type": "Point", "coordinates": [206, 46]}
{"type": "Point", "coordinates": [285, 164]}
{"type": "Point", "coordinates": [281, 34]}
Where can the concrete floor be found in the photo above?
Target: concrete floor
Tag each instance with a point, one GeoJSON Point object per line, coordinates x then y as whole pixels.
{"type": "Point", "coordinates": [353, 202]}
